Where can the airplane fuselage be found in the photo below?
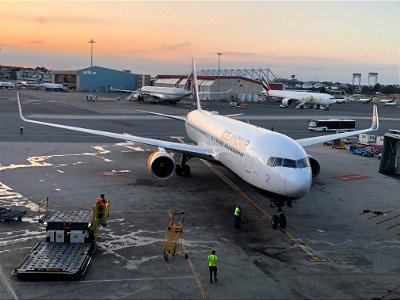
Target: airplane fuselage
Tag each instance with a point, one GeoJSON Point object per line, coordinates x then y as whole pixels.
{"type": "Point", "coordinates": [166, 93]}
{"type": "Point", "coordinates": [309, 97]}
{"type": "Point", "coordinates": [246, 149]}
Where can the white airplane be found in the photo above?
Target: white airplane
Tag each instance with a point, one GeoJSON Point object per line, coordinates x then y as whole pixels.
{"type": "Point", "coordinates": [114, 90]}
{"type": "Point", "coordinates": [387, 100]}
{"type": "Point", "coordinates": [165, 94]}
{"type": "Point", "coordinates": [272, 162]}
{"type": "Point", "coordinates": [289, 97]}
{"type": "Point", "coordinates": [159, 94]}
{"type": "Point", "coordinates": [391, 103]}
{"type": "Point", "coordinates": [365, 100]}
{"type": "Point", "coordinates": [58, 87]}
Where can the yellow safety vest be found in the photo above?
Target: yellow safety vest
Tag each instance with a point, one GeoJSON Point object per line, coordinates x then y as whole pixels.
{"type": "Point", "coordinates": [237, 211]}
{"type": "Point", "coordinates": [212, 260]}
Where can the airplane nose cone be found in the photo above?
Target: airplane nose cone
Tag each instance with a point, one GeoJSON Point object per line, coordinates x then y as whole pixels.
{"type": "Point", "coordinates": [298, 183]}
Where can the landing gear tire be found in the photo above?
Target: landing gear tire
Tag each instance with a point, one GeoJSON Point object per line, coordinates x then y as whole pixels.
{"type": "Point", "coordinates": [186, 170]}
{"type": "Point", "coordinates": [282, 221]}
{"type": "Point", "coordinates": [275, 221]}
{"type": "Point", "coordinates": [179, 170]}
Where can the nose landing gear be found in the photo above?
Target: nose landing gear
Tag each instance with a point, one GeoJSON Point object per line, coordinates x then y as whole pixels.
{"type": "Point", "coordinates": [279, 219]}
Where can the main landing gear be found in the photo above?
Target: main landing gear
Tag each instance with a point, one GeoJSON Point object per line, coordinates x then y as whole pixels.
{"type": "Point", "coordinates": [279, 219]}
{"type": "Point", "coordinates": [183, 169]}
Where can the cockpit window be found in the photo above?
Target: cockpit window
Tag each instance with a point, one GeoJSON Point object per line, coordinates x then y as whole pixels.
{"type": "Point", "coordinates": [303, 163]}
{"type": "Point", "coordinates": [271, 161]}
{"type": "Point", "coordinates": [288, 163]}
{"type": "Point", "coordinates": [278, 162]}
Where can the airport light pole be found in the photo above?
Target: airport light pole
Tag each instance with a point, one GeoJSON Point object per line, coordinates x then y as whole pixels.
{"type": "Point", "coordinates": [91, 42]}
{"type": "Point", "coordinates": [219, 65]}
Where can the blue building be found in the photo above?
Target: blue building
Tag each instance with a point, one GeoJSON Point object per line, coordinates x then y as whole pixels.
{"type": "Point", "coordinates": [95, 79]}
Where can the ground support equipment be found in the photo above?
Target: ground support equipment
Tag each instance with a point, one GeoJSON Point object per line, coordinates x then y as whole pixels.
{"type": "Point", "coordinates": [7, 214]}
{"type": "Point", "coordinates": [173, 236]}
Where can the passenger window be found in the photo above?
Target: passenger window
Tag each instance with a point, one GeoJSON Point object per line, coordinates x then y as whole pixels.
{"type": "Point", "coordinates": [289, 163]}
{"type": "Point", "coordinates": [271, 161]}
{"type": "Point", "coordinates": [278, 162]}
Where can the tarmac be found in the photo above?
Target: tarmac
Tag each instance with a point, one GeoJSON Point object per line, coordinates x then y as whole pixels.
{"type": "Point", "coordinates": [334, 247]}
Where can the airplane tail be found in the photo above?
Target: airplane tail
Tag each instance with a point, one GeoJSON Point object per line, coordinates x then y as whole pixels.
{"type": "Point", "coordinates": [195, 88]}
{"type": "Point", "coordinates": [375, 119]}
{"type": "Point", "coordinates": [266, 86]}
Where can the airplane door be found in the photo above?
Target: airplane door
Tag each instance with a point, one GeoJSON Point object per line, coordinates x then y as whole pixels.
{"type": "Point", "coordinates": [248, 160]}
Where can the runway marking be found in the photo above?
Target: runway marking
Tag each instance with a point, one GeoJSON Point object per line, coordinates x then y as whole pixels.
{"type": "Point", "coordinates": [196, 276]}
{"type": "Point", "coordinates": [108, 280]}
{"type": "Point", "coordinates": [381, 218]}
{"type": "Point", "coordinates": [306, 249]}
{"type": "Point", "coordinates": [40, 161]}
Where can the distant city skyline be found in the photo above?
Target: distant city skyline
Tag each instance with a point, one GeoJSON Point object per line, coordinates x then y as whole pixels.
{"type": "Point", "coordinates": [316, 41]}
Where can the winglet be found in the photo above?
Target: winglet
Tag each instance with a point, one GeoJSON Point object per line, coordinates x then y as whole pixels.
{"type": "Point", "coordinates": [20, 109]}
{"type": "Point", "coordinates": [195, 88]}
{"type": "Point", "coordinates": [375, 119]}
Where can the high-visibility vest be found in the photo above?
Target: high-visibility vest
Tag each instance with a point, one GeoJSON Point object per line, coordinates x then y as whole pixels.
{"type": "Point", "coordinates": [237, 211]}
{"type": "Point", "coordinates": [212, 260]}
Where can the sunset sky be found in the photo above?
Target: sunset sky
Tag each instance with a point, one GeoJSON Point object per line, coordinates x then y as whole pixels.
{"type": "Point", "coordinates": [315, 40]}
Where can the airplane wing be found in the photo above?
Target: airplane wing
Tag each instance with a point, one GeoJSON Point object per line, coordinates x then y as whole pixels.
{"type": "Point", "coordinates": [192, 150]}
{"type": "Point", "coordinates": [325, 138]}
{"type": "Point", "coordinates": [164, 115]}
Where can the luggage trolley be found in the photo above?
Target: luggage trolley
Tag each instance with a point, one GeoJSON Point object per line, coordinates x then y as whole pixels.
{"type": "Point", "coordinates": [174, 236]}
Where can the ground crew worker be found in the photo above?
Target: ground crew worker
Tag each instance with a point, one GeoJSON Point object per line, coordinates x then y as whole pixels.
{"type": "Point", "coordinates": [212, 265]}
{"type": "Point", "coordinates": [101, 202]}
{"type": "Point", "coordinates": [238, 217]}
{"type": "Point", "coordinates": [170, 224]}
{"type": "Point", "coordinates": [21, 129]}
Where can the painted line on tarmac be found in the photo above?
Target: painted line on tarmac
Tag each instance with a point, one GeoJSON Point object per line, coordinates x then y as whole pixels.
{"type": "Point", "coordinates": [109, 280]}
{"type": "Point", "coordinates": [306, 249]}
{"type": "Point", "coordinates": [7, 284]}
{"type": "Point", "coordinates": [191, 265]}
{"type": "Point", "coordinates": [196, 276]}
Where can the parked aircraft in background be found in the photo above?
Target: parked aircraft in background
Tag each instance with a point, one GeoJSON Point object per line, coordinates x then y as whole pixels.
{"type": "Point", "coordinates": [387, 100]}
{"type": "Point", "coordinates": [302, 98]}
{"type": "Point", "coordinates": [159, 94]}
{"type": "Point", "coordinates": [7, 85]}
{"type": "Point", "coordinates": [274, 163]}
{"type": "Point", "coordinates": [114, 90]}
{"type": "Point", "coordinates": [365, 100]}
{"type": "Point", "coordinates": [391, 103]}
{"type": "Point", "coordinates": [58, 87]}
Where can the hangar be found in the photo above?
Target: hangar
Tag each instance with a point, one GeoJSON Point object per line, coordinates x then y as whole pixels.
{"type": "Point", "coordinates": [236, 87]}
{"type": "Point", "coordinates": [98, 79]}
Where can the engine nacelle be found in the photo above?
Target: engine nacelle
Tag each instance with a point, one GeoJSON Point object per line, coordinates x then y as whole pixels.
{"type": "Point", "coordinates": [138, 97]}
{"type": "Point", "coordinates": [315, 167]}
{"type": "Point", "coordinates": [161, 165]}
{"type": "Point", "coordinates": [287, 102]}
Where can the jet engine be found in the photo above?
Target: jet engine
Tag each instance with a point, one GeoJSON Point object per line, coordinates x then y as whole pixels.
{"type": "Point", "coordinates": [138, 97]}
{"type": "Point", "coordinates": [287, 102]}
{"type": "Point", "coordinates": [161, 165]}
{"type": "Point", "coordinates": [315, 167]}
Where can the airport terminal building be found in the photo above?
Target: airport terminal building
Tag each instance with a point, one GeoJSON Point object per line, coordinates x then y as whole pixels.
{"type": "Point", "coordinates": [99, 79]}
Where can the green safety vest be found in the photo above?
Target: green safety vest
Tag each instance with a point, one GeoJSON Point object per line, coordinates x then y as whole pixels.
{"type": "Point", "coordinates": [237, 212]}
{"type": "Point", "coordinates": [212, 260]}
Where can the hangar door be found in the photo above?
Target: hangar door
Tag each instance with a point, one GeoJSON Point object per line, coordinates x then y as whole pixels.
{"type": "Point", "coordinates": [390, 162]}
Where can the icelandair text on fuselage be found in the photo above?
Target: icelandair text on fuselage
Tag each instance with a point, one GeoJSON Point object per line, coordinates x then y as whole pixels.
{"type": "Point", "coordinates": [235, 140]}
